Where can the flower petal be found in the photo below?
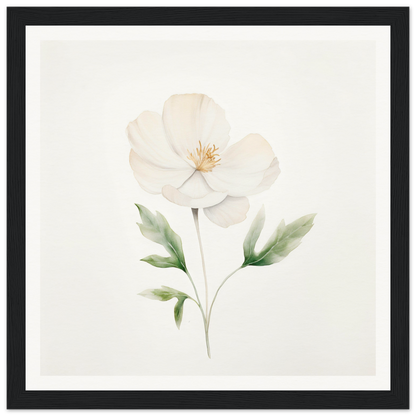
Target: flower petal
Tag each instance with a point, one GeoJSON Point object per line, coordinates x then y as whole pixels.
{"type": "Point", "coordinates": [228, 212]}
{"type": "Point", "coordinates": [242, 167]}
{"type": "Point", "coordinates": [147, 137]}
{"type": "Point", "coordinates": [270, 176]}
{"type": "Point", "coordinates": [153, 178]}
{"type": "Point", "coordinates": [194, 193]}
{"type": "Point", "coordinates": [193, 118]}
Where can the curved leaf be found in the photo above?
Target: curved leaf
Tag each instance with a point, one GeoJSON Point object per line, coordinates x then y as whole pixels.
{"type": "Point", "coordinates": [162, 262]}
{"type": "Point", "coordinates": [178, 311]}
{"type": "Point", "coordinates": [283, 240]}
{"type": "Point", "coordinates": [167, 293]}
{"type": "Point", "coordinates": [254, 234]}
{"type": "Point", "coordinates": [156, 228]}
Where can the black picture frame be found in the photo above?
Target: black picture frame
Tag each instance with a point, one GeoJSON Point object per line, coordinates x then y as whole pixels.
{"type": "Point", "coordinates": [398, 395]}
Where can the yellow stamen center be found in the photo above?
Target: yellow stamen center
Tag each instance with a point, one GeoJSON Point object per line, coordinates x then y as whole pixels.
{"type": "Point", "coordinates": [205, 158]}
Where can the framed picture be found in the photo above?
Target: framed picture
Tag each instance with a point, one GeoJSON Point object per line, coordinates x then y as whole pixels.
{"type": "Point", "coordinates": [164, 167]}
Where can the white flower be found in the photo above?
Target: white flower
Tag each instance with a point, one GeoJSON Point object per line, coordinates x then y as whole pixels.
{"type": "Point", "coordinates": [182, 155]}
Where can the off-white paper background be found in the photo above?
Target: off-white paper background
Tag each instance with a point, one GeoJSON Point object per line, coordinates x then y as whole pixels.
{"type": "Point", "coordinates": [314, 314]}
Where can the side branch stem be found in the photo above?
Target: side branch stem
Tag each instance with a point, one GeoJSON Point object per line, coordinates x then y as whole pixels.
{"type": "Point", "coordinates": [216, 293]}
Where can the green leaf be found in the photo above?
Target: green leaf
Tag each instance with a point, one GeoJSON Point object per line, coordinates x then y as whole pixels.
{"type": "Point", "coordinates": [167, 293]}
{"type": "Point", "coordinates": [254, 234]}
{"type": "Point", "coordinates": [159, 261]}
{"type": "Point", "coordinates": [178, 311]}
{"type": "Point", "coordinates": [157, 229]}
{"type": "Point", "coordinates": [283, 240]}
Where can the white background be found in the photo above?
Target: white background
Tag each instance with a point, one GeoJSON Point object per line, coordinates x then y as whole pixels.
{"type": "Point", "coordinates": [313, 314]}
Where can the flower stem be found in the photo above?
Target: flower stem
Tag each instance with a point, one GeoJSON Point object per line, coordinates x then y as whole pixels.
{"type": "Point", "coordinates": [196, 292]}
{"type": "Point", "coordinates": [207, 342]}
{"type": "Point", "coordinates": [196, 221]}
{"type": "Point", "coordinates": [198, 302]}
{"type": "Point", "coordinates": [216, 293]}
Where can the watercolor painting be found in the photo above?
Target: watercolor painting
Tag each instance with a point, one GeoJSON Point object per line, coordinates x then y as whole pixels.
{"type": "Point", "coordinates": [183, 155]}
{"type": "Point", "coordinates": [229, 131]}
